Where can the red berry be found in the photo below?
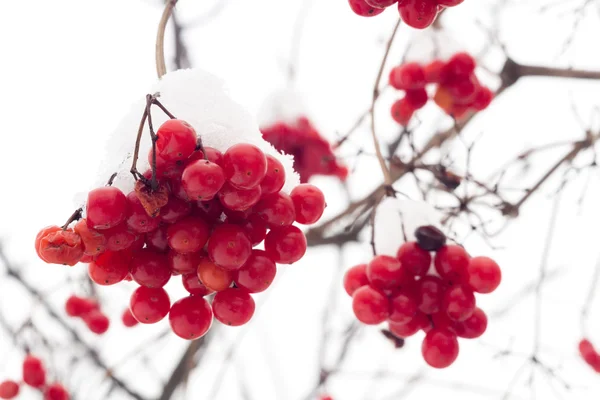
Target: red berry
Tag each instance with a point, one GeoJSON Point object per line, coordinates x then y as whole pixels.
{"type": "Point", "coordinates": [119, 238]}
{"type": "Point", "coordinates": [589, 354]}
{"type": "Point", "coordinates": [214, 155]}
{"type": "Point", "coordinates": [97, 322]}
{"type": "Point", "coordinates": [414, 259]}
{"type": "Point", "coordinates": [441, 320]}
{"type": "Point", "coordinates": [402, 111]}
{"type": "Point", "coordinates": [175, 210]}
{"type": "Point", "coordinates": [449, 3]}
{"type": "Point", "coordinates": [429, 293]}
{"type": "Point", "coordinates": [233, 306]}
{"type": "Point", "coordinates": [214, 277]}
{"type": "Point", "coordinates": [360, 7]}
{"type": "Point", "coordinates": [93, 241]}
{"type": "Point", "coordinates": [56, 391]}
{"type": "Point", "coordinates": [109, 267]}
{"type": "Point", "coordinates": [416, 98]}
{"type": "Point", "coordinates": [459, 67]}
{"type": "Point", "coordinates": [370, 306]}
{"type": "Point", "coordinates": [385, 272]}
{"type": "Point", "coordinates": [149, 305]}
{"type": "Point", "coordinates": [191, 317]}
{"type": "Point", "coordinates": [138, 219]}
{"type": "Point", "coordinates": [355, 278]}
{"type": "Point", "coordinates": [418, 322]}
{"type": "Point", "coordinates": [239, 199]}
{"type": "Point", "coordinates": [309, 203]}
{"type": "Point", "coordinates": [202, 180]}
{"type": "Point", "coordinates": [257, 274]}
{"type": "Point", "coordinates": [464, 91]}
{"type": "Point", "coordinates": [192, 284]}
{"type": "Point", "coordinates": [157, 239]}
{"type": "Point", "coordinates": [9, 390]}
{"type": "Point", "coordinates": [458, 302]}
{"type": "Point", "coordinates": [381, 3]}
{"type": "Point", "coordinates": [472, 327]}
{"type": "Point", "coordinates": [440, 348]}
{"type": "Point", "coordinates": [229, 247]}
{"type": "Point", "coordinates": [276, 209]}
{"type": "Point", "coordinates": [128, 319]}
{"type": "Point", "coordinates": [188, 235]}
{"type": "Point", "coordinates": [180, 264]}
{"type": "Point", "coordinates": [452, 262]}
{"type": "Point", "coordinates": [176, 140]}
{"type": "Point", "coordinates": [43, 233]}
{"type": "Point", "coordinates": [274, 178]}
{"type": "Point", "coordinates": [484, 274]}
{"type": "Point", "coordinates": [254, 227]}
{"type": "Point", "coordinates": [483, 99]}
{"type": "Point", "coordinates": [57, 246]}
{"type": "Point", "coordinates": [245, 165]}
{"type": "Point", "coordinates": [403, 308]}
{"type": "Point", "coordinates": [408, 76]}
{"type": "Point", "coordinates": [285, 245]}
{"type": "Point", "coordinates": [150, 268]}
{"type": "Point", "coordinates": [77, 306]}
{"type": "Point", "coordinates": [106, 207]}
{"type": "Point", "coordinates": [34, 373]}
{"type": "Point", "coordinates": [433, 71]}
{"type": "Point", "coordinates": [418, 14]}
{"type": "Point", "coordinates": [210, 211]}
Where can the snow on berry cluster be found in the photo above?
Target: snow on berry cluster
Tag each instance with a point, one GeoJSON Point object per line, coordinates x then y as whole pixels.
{"type": "Point", "coordinates": [418, 14]}
{"type": "Point", "coordinates": [34, 376]}
{"type": "Point", "coordinates": [457, 89]}
{"type": "Point", "coordinates": [589, 354]}
{"type": "Point", "coordinates": [411, 296]}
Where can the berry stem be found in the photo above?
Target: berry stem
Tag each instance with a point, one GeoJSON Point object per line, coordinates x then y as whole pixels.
{"type": "Point", "coordinates": [76, 216]}
{"type": "Point", "coordinates": [149, 100]}
{"type": "Point", "coordinates": [161, 68]}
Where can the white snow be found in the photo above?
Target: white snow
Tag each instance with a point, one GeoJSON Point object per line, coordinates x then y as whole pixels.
{"type": "Point", "coordinates": [284, 105]}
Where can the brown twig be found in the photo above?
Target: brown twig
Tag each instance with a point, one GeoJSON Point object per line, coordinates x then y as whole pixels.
{"type": "Point", "coordinates": [161, 68]}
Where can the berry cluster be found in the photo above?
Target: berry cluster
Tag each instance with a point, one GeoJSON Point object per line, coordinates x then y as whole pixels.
{"type": "Point", "coordinates": [312, 153]}
{"type": "Point", "coordinates": [89, 311]}
{"type": "Point", "coordinates": [418, 14]}
{"type": "Point", "coordinates": [589, 354]}
{"type": "Point", "coordinates": [412, 296]}
{"type": "Point", "coordinates": [198, 213]}
{"type": "Point", "coordinates": [457, 89]}
{"type": "Point", "coordinates": [34, 375]}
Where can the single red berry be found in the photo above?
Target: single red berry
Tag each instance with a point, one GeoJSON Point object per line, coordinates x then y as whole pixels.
{"type": "Point", "coordinates": [119, 238]}
{"type": "Point", "coordinates": [214, 277]}
{"type": "Point", "coordinates": [176, 140]}
{"type": "Point", "coordinates": [459, 66]}
{"type": "Point", "coordinates": [385, 272]}
{"type": "Point", "coordinates": [188, 235]}
{"type": "Point", "coordinates": [138, 219]}
{"type": "Point", "coordinates": [9, 390]}
{"type": "Point", "coordinates": [150, 268]}
{"type": "Point", "coordinates": [56, 391]}
{"type": "Point", "coordinates": [157, 240]}
{"type": "Point", "coordinates": [429, 293]}
{"type": "Point", "coordinates": [245, 165]}
{"type": "Point", "coordinates": [483, 99]}
{"type": "Point", "coordinates": [403, 308]}
{"type": "Point", "coordinates": [175, 210]}
{"type": "Point", "coordinates": [472, 327]}
{"type": "Point", "coordinates": [233, 306]}
{"type": "Point", "coordinates": [128, 319]}
{"type": "Point", "coordinates": [239, 199]}
{"type": "Point", "coordinates": [418, 322]}
{"type": "Point", "coordinates": [76, 306]}
{"type": "Point", "coordinates": [229, 247]}
{"type": "Point", "coordinates": [93, 241]}
{"type": "Point", "coordinates": [106, 207]}
{"type": "Point", "coordinates": [274, 178]}
{"type": "Point", "coordinates": [59, 246]}
{"type": "Point", "coordinates": [360, 7]}
{"type": "Point", "coordinates": [34, 373]}
{"type": "Point", "coordinates": [309, 203]}
{"type": "Point", "coordinates": [402, 111]}
{"type": "Point", "coordinates": [417, 98]}
{"type": "Point", "coordinates": [381, 3]}
{"type": "Point", "coordinates": [464, 91]}
{"type": "Point", "coordinates": [285, 245]}
{"type": "Point", "coordinates": [96, 322]}
{"type": "Point", "coordinates": [276, 209]}
{"type": "Point", "coordinates": [209, 211]}
{"type": "Point", "coordinates": [370, 305]}
{"type": "Point", "coordinates": [192, 284]}
{"type": "Point", "coordinates": [214, 155]}
{"type": "Point", "coordinates": [433, 71]}
{"type": "Point", "coordinates": [355, 278]}
{"type": "Point", "coordinates": [257, 274]}
{"type": "Point", "coordinates": [418, 14]}
{"type": "Point", "coordinates": [408, 76]}
{"type": "Point", "coordinates": [109, 267]}
{"type": "Point", "coordinates": [589, 354]}
{"type": "Point", "coordinates": [441, 320]}
{"type": "Point", "coordinates": [458, 302]}
{"type": "Point", "coordinates": [202, 180]}
{"type": "Point", "coordinates": [452, 262]}
{"type": "Point", "coordinates": [149, 305]}
{"type": "Point", "coordinates": [484, 274]}
{"type": "Point", "coordinates": [255, 228]}
{"type": "Point", "coordinates": [440, 348]}
{"type": "Point", "coordinates": [180, 264]}
{"type": "Point", "coordinates": [191, 317]}
{"type": "Point", "coordinates": [414, 259]}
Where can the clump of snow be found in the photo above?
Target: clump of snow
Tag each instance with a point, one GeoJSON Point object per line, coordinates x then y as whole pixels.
{"type": "Point", "coordinates": [284, 105]}
{"type": "Point", "coordinates": [392, 214]}
{"type": "Point", "coordinates": [202, 100]}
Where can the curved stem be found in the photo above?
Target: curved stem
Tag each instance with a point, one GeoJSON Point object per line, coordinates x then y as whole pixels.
{"type": "Point", "coordinates": [161, 68]}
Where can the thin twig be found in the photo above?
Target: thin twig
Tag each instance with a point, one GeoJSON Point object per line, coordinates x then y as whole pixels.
{"type": "Point", "coordinates": [161, 68]}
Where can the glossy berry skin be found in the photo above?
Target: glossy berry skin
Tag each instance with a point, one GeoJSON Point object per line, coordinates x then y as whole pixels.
{"type": "Point", "coordinates": [149, 305]}
{"type": "Point", "coordinates": [58, 246]}
{"type": "Point", "coordinates": [214, 277]}
{"type": "Point", "coordinates": [418, 14]}
{"type": "Point", "coordinates": [355, 278]}
{"type": "Point", "coordinates": [402, 111]}
{"type": "Point", "coordinates": [93, 241]}
{"type": "Point", "coordinates": [106, 207]}
{"type": "Point", "coordinates": [157, 240]}
{"type": "Point", "coordinates": [403, 308]}
{"type": "Point", "coordinates": [76, 306]}
{"type": "Point", "coordinates": [175, 210]}
{"type": "Point", "coordinates": [150, 268]}
{"type": "Point", "coordinates": [458, 302]}
{"type": "Point", "coordinates": [192, 284]}
{"type": "Point", "coordinates": [484, 274]}
{"type": "Point", "coordinates": [190, 317]}
{"type": "Point", "coordinates": [285, 245]}
{"type": "Point", "coordinates": [202, 180]}
{"type": "Point", "coordinates": [254, 227]}
{"type": "Point", "coordinates": [439, 348]}
{"type": "Point", "coordinates": [274, 178]}
{"type": "Point", "coordinates": [381, 3]}
{"type": "Point", "coordinates": [414, 259]}
{"type": "Point", "coordinates": [408, 76]}
{"type": "Point", "coordinates": [239, 199]}
{"type": "Point", "coordinates": [233, 306]}
{"type": "Point", "coordinates": [9, 390]}
{"type": "Point", "coordinates": [472, 327]}
{"type": "Point", "coordinates": [97, 322]}
{"type": "Point", "coordinates": [257, 273]}
{"type": "Point", "coordinates": [245, 165]}
{"type": "Point", "coordinates": [429, 294]}
{"type": "Point", "coordinates": [370, 306]}
{"type": "Point", "coordinates": [176, 140]}
{"type": "Point", "coordinates": [385, 272]}
{"type": "Point", "coordinates": [138, 219]}
{"type": "Point", "coordinates": [128, 319]}
{"type": "Point", "coordinates": [276, 209]}
{"type": "Point", "coordinates": [183, 263]}
{"type": "Point", "coordinates": [309, 203]}
{"type": "Point", "coordinates": [56, 391]}
{"type": "Point", "coordinates": [430, 238]}
{"type": "Point", "coordinates": [34, 373]}
{"type": "Point", "coordinates": [360, 7]}
{"type": "Point", "coordinates": [452, 262]}
{"type": "Point", "coordinates": [109, 268]}
{"type": "Point", "coordinates": [404, 330]}
{"type": "Point", "coordinates": [229, 247]}
{"type": "Point", "coordinates": [119, 238]}
{"type": "Point", "coordinates": [188, 235]}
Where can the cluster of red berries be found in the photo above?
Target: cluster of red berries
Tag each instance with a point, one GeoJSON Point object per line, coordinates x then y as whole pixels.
{"type": "Point", "coordinates": [198, 214]}
{"type": "Point", "coordinates": [457, 91]}
{"type": "Point", "coordinates": [34, 375]}
{"type": "Point", "coordinates": [418, 14]}
{"type": "Point", "coordinates": [313, 154]}
{"type": "Point", "coordinates": [411, 296]}
{"type": "Point", "coordinates": [89, 311]}
{"type": "Point", "coordinates": [589, 354]}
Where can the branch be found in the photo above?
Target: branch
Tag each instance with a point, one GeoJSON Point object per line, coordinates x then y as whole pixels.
{"type": "Point", "coordinates": [161, 68]}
